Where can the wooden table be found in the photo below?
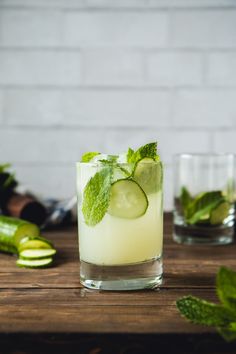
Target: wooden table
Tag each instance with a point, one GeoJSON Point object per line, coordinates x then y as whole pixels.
{"type": "Point", "coordinates": [48, 311]}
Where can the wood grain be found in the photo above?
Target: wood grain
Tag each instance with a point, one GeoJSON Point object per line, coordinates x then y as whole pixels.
{"type": "Point", "coordinates": [38, 303]}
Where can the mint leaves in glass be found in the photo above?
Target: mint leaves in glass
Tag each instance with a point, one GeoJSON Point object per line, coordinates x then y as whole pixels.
{"type": "Point", "coordinates": [120, 219]}
{"type": "Point", "coordinates": [204, 198]}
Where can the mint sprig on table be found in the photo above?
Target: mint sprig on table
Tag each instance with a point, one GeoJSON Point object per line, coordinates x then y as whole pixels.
{"type": "Point", "coordinates": [223, 315]}
{"type": "Point", "coordinates": [207, 207]}
{"type": "Point", "coordinates": [98, 191]}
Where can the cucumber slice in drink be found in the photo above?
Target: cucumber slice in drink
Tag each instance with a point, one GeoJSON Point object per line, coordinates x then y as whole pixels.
{"type": "Point", "coordinates": [37, 253]}
{"type": "Point", "coordinates": [148, 174]}
{"type": "Point", "coordinates": [13, 230]}
{"type": "Point", "coordinates": [34, 243]}
{"type": "Point", "coordinates": [127, 200]}
{"type": "Point", "coordinates": [220, 213]}
{"type": "Point", "coordinates": [36, 263]}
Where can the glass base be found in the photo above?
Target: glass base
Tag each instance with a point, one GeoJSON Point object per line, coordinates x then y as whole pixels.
{"type": "Point", "coordinates": [190, 235]}
{"type": "Point", "coordinates": [144, 275]}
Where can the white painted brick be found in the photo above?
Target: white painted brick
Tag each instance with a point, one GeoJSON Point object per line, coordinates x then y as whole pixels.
{"type": "Point", "coordinates": [114, 67]}
{"type": "Point", "coordinates": [225, 141]}
{"type": "Point", "coordinates": [30, 28]}
{"type": "Point", "coordinates": [68, 4]}
{"type": "Point", "coordinates": [116, 28]}
{"type": "Point", "coordinates": [175, 68]}
{"type": "Point", "coordinates": [39, 68]}
{"type": "Point", "coordinates": [204, 108]}
{"type": "Point", "coordinates": [208, 28]}
{"type": "Point", "coordinates": [49, 145]}
{"type": "Point", "coordinates": [1, 107]}
{"type": "Point", "coordinates": [168, 181]}
{"type": "Point", "coordinates": [87, 107]}
{"type": "Point", "coordinates": [221, 69]}
{"type": "Point", "coordinates": [169, 141]}
{"type": "Point", "coordinates": [46, 181]}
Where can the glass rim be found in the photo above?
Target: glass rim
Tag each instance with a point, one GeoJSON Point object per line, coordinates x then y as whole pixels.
{"type": "Point", "coordinates": [99, 163]}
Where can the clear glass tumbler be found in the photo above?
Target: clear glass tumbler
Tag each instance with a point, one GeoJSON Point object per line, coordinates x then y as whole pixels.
{"type": "Point", "coordinates": [123, 251]}
{"type": "Point", "coordinates": [204, 198]}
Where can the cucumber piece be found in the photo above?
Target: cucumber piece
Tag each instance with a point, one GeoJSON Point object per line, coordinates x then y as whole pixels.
{"type": "Point", "coordinates": [34, 243]}
{"type": "Point", "coordinates": [36, 263]}
{"type": "Point", "coordinates": [148, 174]}
{"type": "Point", "coordinates": [13, 230]}
{"type": "Point", "coordinates": [37, 253]}
{"type": "Point", "coordinates": [127, 199]}
{"type": "Point", "coordinates": [220, 213]}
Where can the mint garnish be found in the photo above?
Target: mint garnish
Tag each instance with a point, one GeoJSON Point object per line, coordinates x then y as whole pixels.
{"type": "Point", "coordinates": [88, 156]}
{"type": "Point", "coordinates": [148, 150]}
{"type": "Point", "coordinates": [222, 316]}
{"type": "Point", "coordinates": [96, 196]}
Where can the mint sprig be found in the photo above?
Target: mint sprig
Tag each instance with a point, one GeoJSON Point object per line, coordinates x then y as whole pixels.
{"type": "Point", "coordinates": [96, 196]}
{"type": "Point", "coordinates": [223, 315]}
{"type": "Point", "coordinates": [148, 150]}
{"type": "Point", "coordinates": [88, 156]}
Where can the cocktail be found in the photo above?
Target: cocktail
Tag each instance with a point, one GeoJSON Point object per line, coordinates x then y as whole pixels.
{"type": "Point", "coordinates": [120, 218]}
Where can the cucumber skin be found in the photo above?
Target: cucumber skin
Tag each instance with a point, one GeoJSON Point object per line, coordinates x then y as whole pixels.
{"type": "Point", "coordinates": [8, 230]}
{"type": "Point", "coordinates": [33, 266]}
{"type": "Point", "coordinates": [30, 238]}
{"type": "Point", "coordinates": [8, 248]}
{"type": "Point", "coordinates": [36, 258]}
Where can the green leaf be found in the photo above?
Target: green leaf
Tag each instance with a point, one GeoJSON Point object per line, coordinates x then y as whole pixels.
{"type": "Point", "coordinates": [185, 199]}
{"type": "Point", "coordinates": [228, 334]}
{"type": "Point", "coordinates": [203, 312]}
{"type": "Point", "coordinates": [88, 156]}
{"type": "Point", "coordinates": [96, 196]}
{"type": "Point", "coordinates": [4, 167]}
{"type": "Point", "coordinates": [203, 204]}
{"type": "Point", "coordinates": [148, 150]}
{"type": "Point", "coordinates": [226, 288]}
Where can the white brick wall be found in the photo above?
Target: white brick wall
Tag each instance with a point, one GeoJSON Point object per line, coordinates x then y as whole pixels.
{"type": "Point", "coordinates": [78, 75]}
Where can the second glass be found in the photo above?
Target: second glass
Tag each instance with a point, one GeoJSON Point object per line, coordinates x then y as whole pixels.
{"type": "Point", "coordinates": [204, 198]}
{"type": "Point", "coordinates": [124, 250]}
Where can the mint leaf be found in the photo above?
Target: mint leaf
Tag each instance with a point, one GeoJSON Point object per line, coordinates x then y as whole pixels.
{"type": "Point", "coordinates": [96, 196]}
{"type": "Point", "coordinates": [88, 156]}
{"type": "Point", "coordinates": [148, 150]}
{"type": "Point", "coordinates": [185, 199]}
{"type": "Point", "coordinates": [203, 312]}
{"type": "Point", "coordinates": [226, 288]}
{"type": "Point", "coordinates": [202, 205]}
{"type": "Point", "coordinates": [227, 333]}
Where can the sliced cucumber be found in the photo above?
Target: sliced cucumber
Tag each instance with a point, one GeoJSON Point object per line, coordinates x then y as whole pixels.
{"type": "Point", "coordinates": [34, 243]}
{"type": "Point", "coordinates": [37, 253]}
{"type": "Point", "coordinates": [148, 174]}
{"type": "Point", "coordinates": [13, 230]}
{"type": "Point", "coordinates": [127, 199]}
{"type": "Point", "coordinates": [220, 213]}
{"type": "Point", "coordinates": [36, 263]}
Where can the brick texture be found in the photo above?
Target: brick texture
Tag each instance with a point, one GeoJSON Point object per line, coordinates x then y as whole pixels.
{"type": "Point", "coordinates": [78, 75]}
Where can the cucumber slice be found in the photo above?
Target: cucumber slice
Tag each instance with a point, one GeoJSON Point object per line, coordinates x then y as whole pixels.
{"type": "Point", "coordinates": [127, 199]}
{"type": "Point", "coordinates": [34, 243]}
{"type": "Point", "coordinates": [148, 174]}
{"type": "Point", "coordinates": [220, 213]}
{"type": "Point", "coordinates": [37, 253]}
{"type": "Point", "coordinates": [13, 230]}
{"type": "Point", "coordinates": [36, 263]}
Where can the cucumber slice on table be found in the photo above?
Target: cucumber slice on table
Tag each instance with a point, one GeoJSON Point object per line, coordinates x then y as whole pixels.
{"type": "Point", "coordinates": [37, 253]}
{"type": "Point", "coordinates": [13, 230]}
{"type": "Point", "coordinates": [219, 213]}
{"type": "Point", "coordinates": [34, 243]}
{"type": "Point", "coordinates": [127, 200]}
{"type": "Point", "coordinates": [36, 263]}
{"type": "Point", "coordinates": [148, 174]}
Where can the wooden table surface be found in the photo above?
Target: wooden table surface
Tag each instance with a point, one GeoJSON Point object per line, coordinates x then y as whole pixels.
{"type": "Point", "coordinates": [49, 311]}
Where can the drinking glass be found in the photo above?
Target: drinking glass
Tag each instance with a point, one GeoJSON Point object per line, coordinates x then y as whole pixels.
{"type": "Point", "coordinates": [204, 198]}
{"type": "Point", "coordinates": [124, 250]}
